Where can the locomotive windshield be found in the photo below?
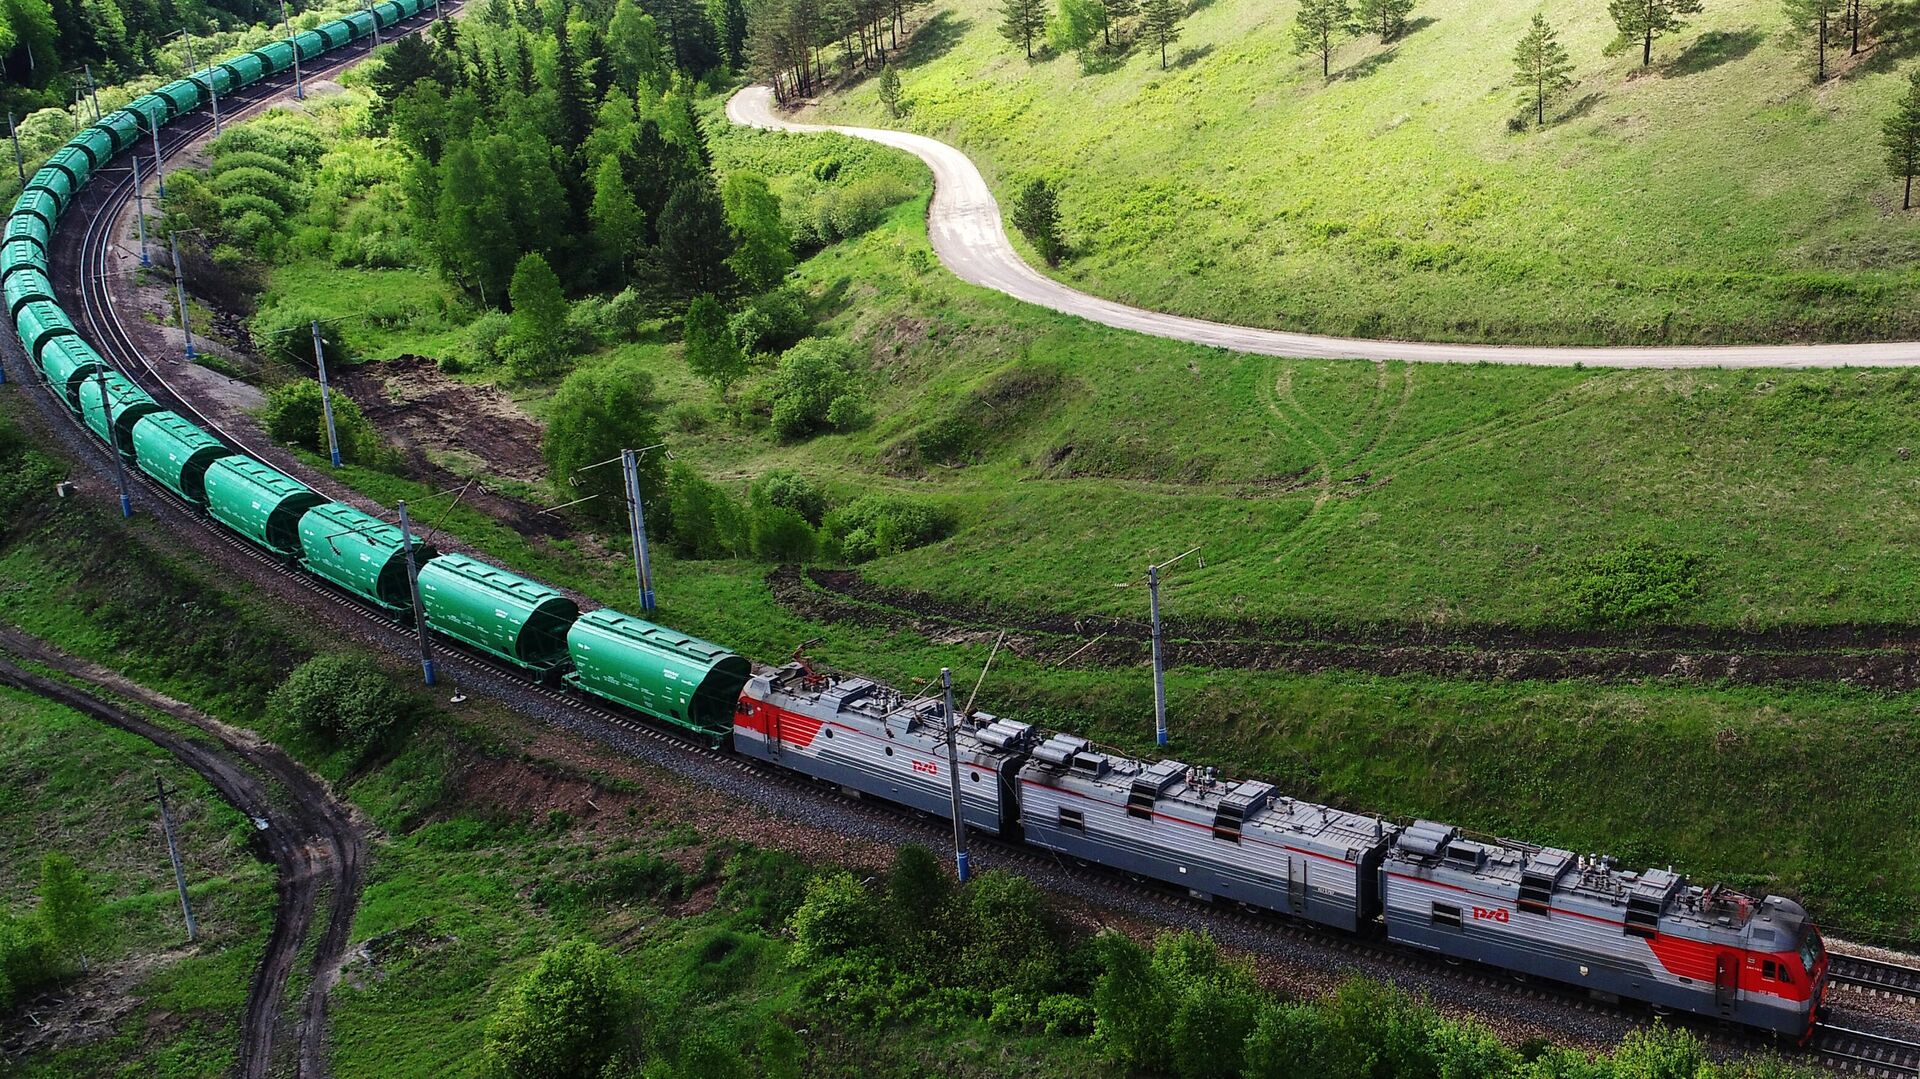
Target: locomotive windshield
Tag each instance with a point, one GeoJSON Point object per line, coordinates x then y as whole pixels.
{"type": "Point", "coordinates": [1811, 949]}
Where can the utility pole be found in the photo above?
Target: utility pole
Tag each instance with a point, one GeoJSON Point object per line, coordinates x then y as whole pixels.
{"type": "Point", "coordinates": [299, 90]}
{"type": "Point", "coordinates": [173, 851]}
{"type": "Point", "coordinates": [326, 398]}
{"type": "Point", "coordinates": [953, 776]}
{"type": "Point", "coordinates": [637, 521]}
{"type": "Point", "coordinates": [367, 6]}
{"type": "Point", "coordinates": [93, 92]}
{"type": "Point", "coordinates": [413, 586]}
{"type": "Point", "coordinates": [1159, 662]}
{"type": "Point", "coordinates": [159, 162]}
{"type": "Point", "coordinates": [180, 290]}
{"type": "Point", "coordinates": [19, 162]}
{"type": "Point", "coordinates": [140, 209]}
{"type": "Point", "coordinates": [213, 91]}
{"type": "Point", "coordinates": [113, 444]}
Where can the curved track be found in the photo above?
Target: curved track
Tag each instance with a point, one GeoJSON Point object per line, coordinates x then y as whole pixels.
{"type": "Point", "coordinates": [965, 226]}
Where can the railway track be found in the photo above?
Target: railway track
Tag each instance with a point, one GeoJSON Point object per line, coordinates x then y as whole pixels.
{"type": "Point", "coordinates": [1864, 1052]}
{"type": "Point", "coordinates": [1874, 975]}
{"type": "Point", "coordinates": [1257, 931]}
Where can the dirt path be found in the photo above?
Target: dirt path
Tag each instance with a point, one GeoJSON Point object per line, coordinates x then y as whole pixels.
{"type": "Point", "coordinates": [317, 844]}
{"type": "Point", "coordinates": [1883, 657]}
{"type": "Point", "coordinates": [967, 232]}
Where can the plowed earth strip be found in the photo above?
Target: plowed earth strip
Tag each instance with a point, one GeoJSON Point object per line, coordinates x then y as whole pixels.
{"type": "Point", "coordinates": [317, 845]}
{"type": "Point", "coordinates": [1882, 657]}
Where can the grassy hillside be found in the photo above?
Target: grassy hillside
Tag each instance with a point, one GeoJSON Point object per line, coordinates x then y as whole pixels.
{"type": "Point", "coordinates": [1714, 197]}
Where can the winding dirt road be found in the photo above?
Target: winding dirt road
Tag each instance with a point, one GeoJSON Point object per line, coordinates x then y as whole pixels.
{"type": "Point", "coordinates": [965, 226]}
{"type": "Point", "coordinates": [317, 844]}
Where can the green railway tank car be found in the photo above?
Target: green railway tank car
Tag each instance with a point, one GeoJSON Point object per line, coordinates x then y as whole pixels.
{"type": "Point", "coordinates": [667, 674]}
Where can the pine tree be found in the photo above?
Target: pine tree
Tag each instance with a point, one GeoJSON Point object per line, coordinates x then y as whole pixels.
{"type": "Point", "coordinates": [1163, 24]}
{"type": "Point", "coordinates": [1117, 10]}
{"type": "Point", "coordinates": [1036, 213]}
{"type": "Point", "coordinates": [576, 120]}
{"type": "Point", "coordinates": [69, 910]}
{"type": "Point", "coordinates": [619, 228]}
{"type": "Point", "coordinates": [1901, 137]}
{"type": "Point", "coordinates": [1645, 20]}
{"type": "Point", "coordinates": [1816, 18]}
{"type": "Point", "coordinates": [1020, 20]}
{"type": "Point", "coordinates": [695, 241]}
{"type": "Point", "coordinates": [1542, 69]}
{"type": "Point", "coordinates": [890, 90]}
{"type": "Point", "coordinates": [732, 21]}
{"type": "Point", "coordinates": [712, 352]}
{"type": "Point", "coordinates": [1387, 18]}
{"type": "Point", "coordinates": [1317, 27]}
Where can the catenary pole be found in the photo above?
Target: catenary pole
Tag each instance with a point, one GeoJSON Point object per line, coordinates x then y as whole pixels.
{"type": "Point", "coordinates": [299, 89]}
{"type": "Point", "coordinates": [140, 209]}
{"type": "Point", "coordinates": [173, 852]}
{"type": "Point", "coordinates": [93, 92]}
{"type": "Point", "coordinates": [113, 444]}
{"type": "Point", "coordinates": [637, 522]}
{"type": "Point", "coordinates": [19, 162]}
{"type": "Point", "coordinates": [413, 586]}
{"type": "Point", "coordinates": [953, 776]}
{"type": "Point", "coordinates": [326, 396]}
{"type": "Point", "coordinates": [180, 290]}
{"type": "Point", "coordinates": [1159, 660]}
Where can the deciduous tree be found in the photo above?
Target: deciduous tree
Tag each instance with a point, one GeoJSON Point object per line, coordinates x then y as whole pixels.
{"type": "Point", "coordinates": [712, 352]}
{"type": "Point", "coordinates": [1541, 68]}
{"type": "Point", "coordinates": [1645, 20]}
{"type": "Point", "coordinates": [539, 319]}
{"type": "Point", "coordinates": [763, 253]}
{"type": "Point", "coordinates": [566, 1018]}
{"type": "Point", "coordinates": [1021, 20]}
{"type": "Point", "coordinates": [1901, 137]}
{"type": "Point", "coordinates": [1317, 28]}
{"type": "Point", "coordinates": [596, 413]}
{"type": "Point", "coordinates": [619, 227]}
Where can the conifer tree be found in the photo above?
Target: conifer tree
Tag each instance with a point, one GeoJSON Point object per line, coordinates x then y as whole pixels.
{"type": "Point", "coordinates": [695, 241]}
{"type": "Point", "coordinates": [1387, 18]}
{"type": "Point", "coordinates": [1317, 27]}
{"type": "Point", "coordinates": [1901, 137]}
{"type": "Point", "coordinates": [890, 89]}
{"type": "Point", "coordinates": [1020, 20]}
{"type": "Point", "coordinates": [1117, 10]}
{"type": "Point", "coordinates": [1814, 19]}
{"type": "Point", "coordinates": [1541, 68]}
{"type": "Point", "coordinates": [1163, 24]}
{"type": "Point", "coordinates": [1036, 213]}
{"type": "Point", "coordinates": [1645, 20]}
{"type": "Point", "coordinates": [69, 910]}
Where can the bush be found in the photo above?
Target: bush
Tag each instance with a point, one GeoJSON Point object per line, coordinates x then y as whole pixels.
{"type": "Point", "coordinates": [1640, 582]}
{"type": "Point", "coordinates": [568, 1017]}
{"type": "Point", "coordinates": [487, 335]}
{"type": "Point", "coordinates": [877, 525]}
{"type": "Point", "coordinates": [813, 377]}
{"type": "Point", "coordinates": [790, 490]}
{"type": "Point", "coordinates": [602, 320]}
{"type": "Point", "coordinates": [765, 886]}
{"type": "Point", "coordinates": [689, 418]}
{"type": "Point", "coordinates": [707, 523]}
{"type": "Point", "coordinates": [772, 322]}
{"type": "Point", "coordinates": [598, 412]}
{"type": "Point", "coordinates": [780, 535]}
{"type": "Point", "coordinates": [296, 416]}
{"type": "Point", "coordinates": [835, 921]}
{"type": "Point", "coordinates": [284, 332]}
{"type": "Point", "coordinates": [345, 700]}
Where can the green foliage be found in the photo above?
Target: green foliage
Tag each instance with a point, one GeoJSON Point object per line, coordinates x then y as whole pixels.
{"type": "Point", "coordinates": [835, 921]}
{"type": "Point", "coordinates": [621, 879]}
{"type": "Point", "coordinates": [596, 413]}
{"type": "Point", "coordinates": [296, 415]}
{"type": "Point", "coordinates": [1640, 582]}
{"type": "Point", "coordinates": [568, 1017]}
{"type": "Point", "coordinates": [1387, 18]}
{"type": "Point", "coordinates": [1162, 19]}
{"type": "Point", "coordinates": [707, 522]}
{"type": "Point", "coordinates": [712, 352]}
{"type": "Point", "coordinates": [538, 339]}
{"type": "Point", "coordinates": [1815, 23]}
{"type": "Point", "coordinates": [772, 322]}
{"type": "Point", "coordinates": [780, 535]}
{"type": "Point", "coordinates": [889, 89]}
{"type": "Point", "coordinates": [1075, 25]}
{"type": "Point", "coordinates": [488, 336]}
{"type": "Point", "coordinates": [1900, 137]}
{"type": "Point", "coordinates": [765, 887]}
{"type": "Point", "coordinates": [284, 331]}
{"type": "Point", "coordinates": [1318, 26]}
{"type": "Point", "coordinates": [792, 491]}
{"type": "Point", "coordinates": [69, 910]}
{"type": "Point", "coordinates": [816, 387]}
{"type": "Point", "coordinates": [345, 700]}
{"type": "Point", "coordinates": [1036, 213]}
{"type": "Point", "coordinates": [1542, 69]}
{"type": "Point", "coordinates": [764, 253]}
{"type": "Point", "coordinates": [1644, 21]}
{"type": "Point", "coordinates": [1021, 21]}
{"type": "Point", "coordinates": [877, 525]}
{"type": "Point", "coordinates": [619, 225]}
{"type": "Point", "coordinates": [1184, 1008]}
{"type": "Point", "coordinates": [696, 242]}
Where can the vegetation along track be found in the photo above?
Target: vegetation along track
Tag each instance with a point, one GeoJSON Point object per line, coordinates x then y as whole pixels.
{"type": "Point", "coordinates": [965, 226]}
{"type": "Point", "coordinates": [1877, 657]}
{"type": "Point", "coordinates": [315, 843]}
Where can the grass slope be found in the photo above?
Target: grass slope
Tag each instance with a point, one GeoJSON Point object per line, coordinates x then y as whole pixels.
{"type": "Point", "coordinates": [1716, 197]}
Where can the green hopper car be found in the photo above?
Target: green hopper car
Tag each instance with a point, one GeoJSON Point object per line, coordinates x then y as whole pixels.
{"type": "Point", "coordinates": [261, 504]}
{"type": "Point", "coordinates": [177, 453]}
{"type": "Point", "coordinates": [111, 404]}
{"type": "Point", "coordinates": [665, 673]}
{"type": "Point", "coordinates": [500, 613]}
{"type": "Point", "coordinates": [360, 553]}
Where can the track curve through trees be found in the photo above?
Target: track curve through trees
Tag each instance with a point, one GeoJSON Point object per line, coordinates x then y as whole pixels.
{"type": "Point", "coordinates": [970, 238]}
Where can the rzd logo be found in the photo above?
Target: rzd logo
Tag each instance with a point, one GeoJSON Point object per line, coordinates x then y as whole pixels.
{"type": "Point", "coordinates": [927, 767]}
{"type": "Point", "coordinates": [1482, 914]}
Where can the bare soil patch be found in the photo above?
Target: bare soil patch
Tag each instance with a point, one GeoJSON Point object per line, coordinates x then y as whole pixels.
{"type": "Point", "coordinates": [415, 404]}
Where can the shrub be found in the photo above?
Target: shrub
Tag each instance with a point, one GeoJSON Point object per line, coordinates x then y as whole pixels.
{"type": "Point", "coordinates": [284, 332]}
{"type": "Point", "coordinates": [812, 377]}
{"type": "Point", "coordinates": [772, 322]}
{"type": "Point", "coordinates": [568, 1017]}
{"type": "Point", "coordinates": [689, 418]}
{"type": "Point", "coordinates": [487, 335]}
{"type": "Point", "coordinates": [254, 181]}
{"type": "Point", "coordinates": [1642, 581]}
{"type": "Point", "coordinates": [877, 525]}
{"type": "Point", "coordinates": [835, 921]}
{"type": "Point", "coordinates": [296, 416]}
{"type": "Point", "coordinates": [596, 413]}
{"type": "Point", "coordinates": [780, 535]}
{"type": "Point", "coordinates": [707, 523]}
{"type": "Point", "coordinates": [790, 490]}
{"type": "Point", "coordinates": [345, 700]}
{"type": "Point", "coordinates": [765, 886]}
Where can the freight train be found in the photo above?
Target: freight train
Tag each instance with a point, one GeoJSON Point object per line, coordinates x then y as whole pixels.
{"type": "Point", "coordinates": [1581, 920]}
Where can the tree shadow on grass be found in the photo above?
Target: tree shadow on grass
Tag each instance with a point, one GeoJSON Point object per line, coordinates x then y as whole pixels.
{"type": "Point", "coordinates": [1713, 49]}
{"type": "Point", "coordinates": [935, 38]}
{"type": "Point", "coordinates": [1357, 71]}
{"type": "Point", "coordinates": [1191, 56]}
{"type": "Point", "coordinates": [1579, 108]}
{"type": "Point", "coordinates": [1413, 27]}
